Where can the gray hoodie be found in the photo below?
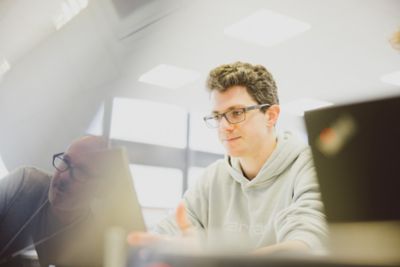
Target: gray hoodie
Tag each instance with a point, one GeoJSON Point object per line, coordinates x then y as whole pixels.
{"type": "Point", "coordinates": [281, 203]}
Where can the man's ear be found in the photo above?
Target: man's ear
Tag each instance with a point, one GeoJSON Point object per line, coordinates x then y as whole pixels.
{"type": "Point", "coordinates": [273, 115]}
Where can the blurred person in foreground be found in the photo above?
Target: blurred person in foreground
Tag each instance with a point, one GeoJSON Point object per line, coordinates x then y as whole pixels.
{"type": "Point", "coordinates": [395, 40]}
{"type": "Point", "coordinates": [52, 212]}
{"type": "Point", "coordinates": [263, 196]}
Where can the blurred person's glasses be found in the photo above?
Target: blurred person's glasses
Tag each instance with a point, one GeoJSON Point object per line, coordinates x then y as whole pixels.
{"type": "Point", "coordinates": [232, 116]}
{"type": "Point", "coordinates": [63, 164]}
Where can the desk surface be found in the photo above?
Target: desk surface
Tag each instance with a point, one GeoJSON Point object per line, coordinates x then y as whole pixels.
{"type": "Point", "coordinates": [147, 258]}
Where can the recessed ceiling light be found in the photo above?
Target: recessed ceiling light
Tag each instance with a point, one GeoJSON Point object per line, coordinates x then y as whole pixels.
{"type": "Point", "coordinates": [391, 78]}
{"type": "Point", "coordinates": [266, 28]}
{"type": "Point", "coordinates": [299, 106]}
{"type": "Point", "coordinates": [169, 76]}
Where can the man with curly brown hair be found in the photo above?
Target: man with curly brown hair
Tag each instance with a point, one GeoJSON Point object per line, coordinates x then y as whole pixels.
{"type": "Point", "coordinates": [263, 196]}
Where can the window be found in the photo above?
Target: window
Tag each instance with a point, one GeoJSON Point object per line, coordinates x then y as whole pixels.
{"type": "Point", "coordinates": [157, 187]}
{"type": "Point", "coordinates": [203, 138]}
{"type": "Point", "coordinates": [148, 122]}
{"type": "Point", "coordinates": [163, 164]}
{"type": "Point", "coordinates": [195, 173]}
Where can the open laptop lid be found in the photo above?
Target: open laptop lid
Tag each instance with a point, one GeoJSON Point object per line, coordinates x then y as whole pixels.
{"type": "Point", "coordinates": [356, 153]}
{"type": "Point", "coordinates": [117, 204]}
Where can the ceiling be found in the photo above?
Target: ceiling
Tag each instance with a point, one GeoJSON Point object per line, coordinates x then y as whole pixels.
{"type": "Point", "coordinates": [341, 57]}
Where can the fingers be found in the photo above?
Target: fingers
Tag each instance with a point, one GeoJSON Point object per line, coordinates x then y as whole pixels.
{"type": "Point", "coordinates": [182, 220]}
{"type": "Point", "coordinates": [142, 239]}
{"type": "Point", "coordinates": [145, 239]}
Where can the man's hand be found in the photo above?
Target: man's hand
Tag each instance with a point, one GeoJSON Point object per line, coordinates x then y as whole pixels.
{"type": "Point", "coordinates": [189, 234]}
{"type": "Point", "coordinates": [183, 222]}
{"type": "Point", "coordinates": [145, 239]}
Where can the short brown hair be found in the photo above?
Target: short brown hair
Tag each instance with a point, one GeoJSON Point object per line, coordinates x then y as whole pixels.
{"type": "Point", "coordinates": [258, 82]}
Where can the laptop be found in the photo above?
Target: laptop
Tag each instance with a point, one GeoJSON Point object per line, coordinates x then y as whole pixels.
{"type": "Point", "coordinates": [356, 150]}
{"type": "Point", "coordinates": [117, 204]}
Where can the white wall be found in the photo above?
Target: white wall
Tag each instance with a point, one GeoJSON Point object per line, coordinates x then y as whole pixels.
{"type": "Point", "coordinates": [51, 94]}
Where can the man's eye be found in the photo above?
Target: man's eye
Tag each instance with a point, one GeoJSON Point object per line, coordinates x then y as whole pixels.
{"type": "Point", "coordinates": [65, 163]}
{"type": "Point", "coordinates": [217, 117]}
{"type": "Point", "coordinates": [237, 112]}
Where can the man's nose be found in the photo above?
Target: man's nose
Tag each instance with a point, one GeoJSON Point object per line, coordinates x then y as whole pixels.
{"type": "Point", "coordinates": [62, 176]}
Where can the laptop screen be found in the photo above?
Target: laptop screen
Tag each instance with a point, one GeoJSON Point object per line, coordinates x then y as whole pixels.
{"type": "Point", "coordinates": [356, 154]}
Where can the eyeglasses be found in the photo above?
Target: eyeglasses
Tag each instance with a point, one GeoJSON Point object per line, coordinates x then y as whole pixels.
{"type": "Point", "coordinates": [232, 116]}
{"type": "Point", "coordinates": [63, 164]}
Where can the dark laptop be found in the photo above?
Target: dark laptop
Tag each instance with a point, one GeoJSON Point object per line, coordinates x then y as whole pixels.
{"type": "Point", "coordinates": [356, 150]}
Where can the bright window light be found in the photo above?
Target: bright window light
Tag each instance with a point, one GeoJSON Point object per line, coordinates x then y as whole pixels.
{"type": "Point", "coordinates": [152, 216]}
{"type": "Point", "coordinates": [148, 122]}
{"type": "Point", "coordinates": [3, 169]}
{"type": "Point", "coordinates": [69, 9]}
{"type": "Point", "coordinates": [392, 78]}
{"type": "Point", "coordinates": [292, 123]}
{"type": "Point", "coordinates": [4, 67]}
{"type": "Point", "coordinates": [156, 186]}
{"type": "Point", "coordinates": [169, 76]}
{"type": "Point", "coordinates": [299, 106]}
{"type": "Point", "coordinates": [194, 174]}
{"type": "Point", "coordinates": [266, 28]}
{"type": "Point", "coordinates": [203, 138]}
{"type": "Point", "coordinates": [96, 126]}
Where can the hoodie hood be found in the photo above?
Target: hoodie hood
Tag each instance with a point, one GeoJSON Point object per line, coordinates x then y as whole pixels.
{"type": "Point", "coordinates": [288, 148]}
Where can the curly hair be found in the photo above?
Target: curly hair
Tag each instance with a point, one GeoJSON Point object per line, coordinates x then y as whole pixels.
{"type": "Point", "coordinates": [258, 82]}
